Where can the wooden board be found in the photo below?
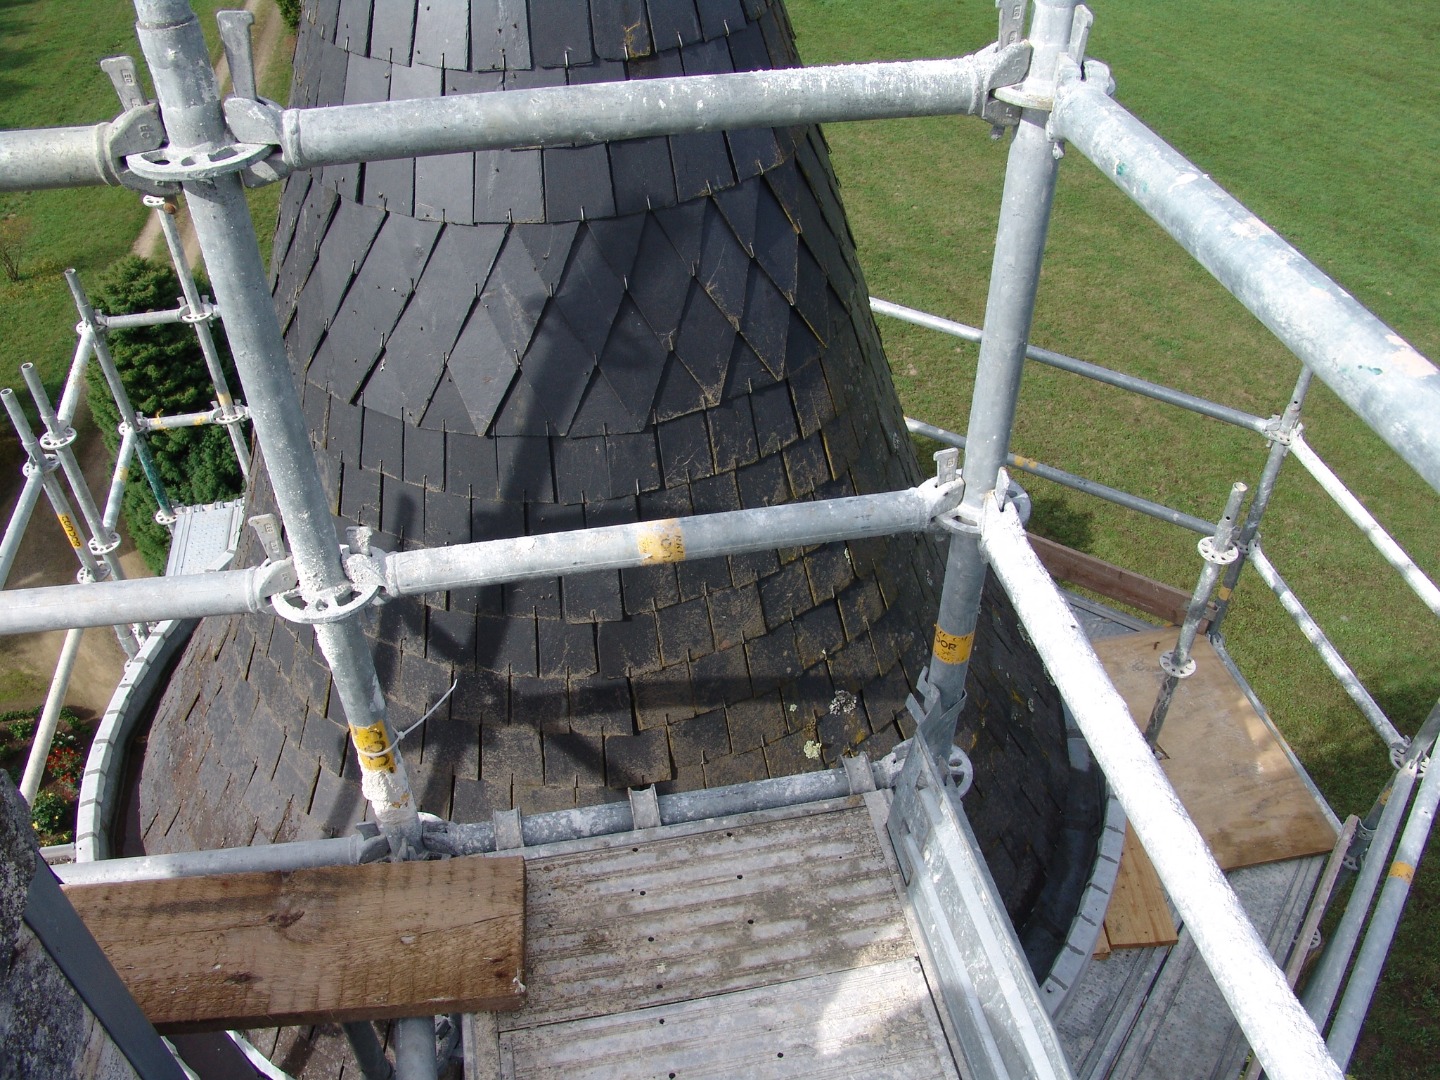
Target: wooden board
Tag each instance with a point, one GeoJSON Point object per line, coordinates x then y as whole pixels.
{"type": "Point", "coordinates": [1138, 916]}
{"type": "Point", "coordinates": [874, 1021]}
{"type": "Point", "coordinates": [1111, 581]}
{"type": "Point", "coordinates": [336, 943]}
{"type": "Point", "coordinates": [1229, 770]}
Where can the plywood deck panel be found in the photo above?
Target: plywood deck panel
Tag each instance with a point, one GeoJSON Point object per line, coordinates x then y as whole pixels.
{"type": "Point", "coordinates": [647, 924]}
{"type": "Point", "coordinates": [877, 1020]}
{"type": "Point", "coordinates": [1139, 914]}
{"type": "Point", "coordinates": [1229, 770]}
{"type": "Point", "coordinates": [366, 942]}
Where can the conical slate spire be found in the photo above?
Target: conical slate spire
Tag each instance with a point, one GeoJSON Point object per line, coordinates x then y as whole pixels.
{"type": "Point", "coordinates": [515, 342]}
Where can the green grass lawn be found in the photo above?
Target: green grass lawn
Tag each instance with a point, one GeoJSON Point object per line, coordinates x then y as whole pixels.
{"type": "Point", "coordinates": [50, 75]}
{"type": "Point", "coordinates": [1325, 129]}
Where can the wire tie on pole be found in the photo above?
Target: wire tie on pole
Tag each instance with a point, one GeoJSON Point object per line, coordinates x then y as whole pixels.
{"type": "Point", "coordinates": [395, 742]}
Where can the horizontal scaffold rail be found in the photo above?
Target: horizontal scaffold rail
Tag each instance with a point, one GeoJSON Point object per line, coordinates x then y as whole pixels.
{"type": "Point", "coordinates": [489, 562]}
{"type": "Point", "coordinates": [76, 157]}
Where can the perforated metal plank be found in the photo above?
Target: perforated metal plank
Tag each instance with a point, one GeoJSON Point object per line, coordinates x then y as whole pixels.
{"type": "Point", "coordinates": [873, 1021]}
{"type": "Point", "coordinates": [693, 916]}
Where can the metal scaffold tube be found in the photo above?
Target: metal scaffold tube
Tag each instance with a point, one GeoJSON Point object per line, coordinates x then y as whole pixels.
{"type": "Point", "coordinates": [1279, 1030]}
{"type": "Point", "coordinates": [1218, 552]}
{"type": "Point", "coordinates": [1328, 653]}
{"type": "Point", "coordinates": [1029, 190]}
{"type": "Point", "coordinates": [198, 314]}
{"type": "Point", "coordinates": [1355, 510]}
{"type": "Point", "coordinates": [91, 329]}
{"type": "Point", "coordinates": [1329, 973]}
{"type": "Point", "coordinates": [1140, 505]}
{"type": "Point", "coordinates": [50, 716]}
{"type": "Point", "coordinates": [1393, 388]}
{"type": "Point", "coordinates": [19, 519]}
{"type": "Point", "coordinates": [625, 110]}
{"type": "Point", "coordinates": [1350, 1016]}
{"type": "Point", "coordinates": [486, 562]}
{"type": "Point", "coordinates": [1280, 432]}
{"type": "Point", "coordinates": [189, 99]}
{"type": "Point", "coordinates": [1083, 368]}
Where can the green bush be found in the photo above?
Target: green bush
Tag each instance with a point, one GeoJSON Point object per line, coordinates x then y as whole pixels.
{"type": "Point", "coordinates": [164, 372]}
{"type": "Point", "coordinates": [290, 12]}
{"type": "Point", "coordinates": [48, 816]}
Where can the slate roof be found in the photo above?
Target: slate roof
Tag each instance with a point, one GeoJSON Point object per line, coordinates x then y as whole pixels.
{"type": "Point", "coordinates": [518, 342]}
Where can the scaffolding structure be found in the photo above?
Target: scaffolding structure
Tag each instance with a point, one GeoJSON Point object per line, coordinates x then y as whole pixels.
{"type": "Point", "coordinates": [1041, 85]}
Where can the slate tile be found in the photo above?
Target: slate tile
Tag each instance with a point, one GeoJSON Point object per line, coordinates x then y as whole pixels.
{"type": "Point", "coordinates": [663, 697]}
{"type": "Point", "coordinates": [661, 279]}
{"type": "Point", "coordinates": [705, 344]}
{"type": "Point", "coordinates": [699, 739]}
{"type": "Point", "coordinates": [684, 450]}
{"type": "Point", "coordinates": [627, 647]}
{"type": "Point", "coordinates": [566, 648]}
{"type": "Point", "coordinates": [402, 510]}
{"type": "Point", "coordinates": [509, 751]}
{"type": "Point", "coordinates": [600, 706]}
{"type": "Point", "coordinates": [542, 518]}
{"type": "Point", "coordinates": [424, 457]}
{"type": "Point", "coordinates": [483, 697]}
{"type": "Point", "coordinates": [448, 746]}
{"type": "Point", "coordinates": [325, 740]}
{"type": "Point", "coordinates": [732, 434]}
{"type": "Point", "coordinates": [736, 769]}
{"type": "Point", "coordinates": [592, 598]}
{"type": "Point", "coordinates": [499, 34]}
{"type": "Point", "coordinates": [539, 703]}
{"type": "Point", "coordinates": [806, 465]}
{"type": "Point", "coordinates": [620, 28]}
{"type": "Point", "coordinates": [508, 186]}
{"type": "Point", "coordinates": [700, 577]}
{"type": "Point", "coordinates": [525, 469]}
{"type": "Point", "coordinates": [785, 595]}
{"type": "Point", "coordinates": [451, 637]}
{"type": "Point", "coordinates": [336, 803]}
{"type": "Point", "coordinates": [721, 18]}
{"type": "Point", "coordinates": [606, 512]}
{"type": "Point", "coordinates": [496, 520]}
{"type": "Point", "coordinates": [786, 756]}
{"type": "Point", "coordinates": [764, 483]}
{"type": "Point", "coordinates": [673, 23]}
{"type": "Point", "coordinates": [702, 164]}
{"type": "Point", "coordinates": [476, 800]}
{"type": "Point", "coordinates": [736, 615]}
{"type": "Point", "coordinates": [708, 58]}
{"type": "Point", "coordinates": [637, 760]}
{"type": "Point", "coordinates": [538, 596]}
{"type": "Point", "coordinates": [581, 470]}
{"type": "Point", "coordinates": [393, 31]}
{"type": "Point", "coordinates": [647, 587]}
{"type": "Point", "coordinates": [445, 187]}
{"type": "Point", "coordinates": [542, 798]}
{"type": "Point", "coordinates": [634, 462]}
{"type": "Point", "coordinates": [772, 659]}
{"type": "Point", "coordinates": [577, 183]}
{"type": "Point", "coordinates": [442, 35]}
{"type": "Point", "coordinates": [506, 643]}
{"type": "Point", "coordinates": [755, 721]}
{"type": "Point", "coordinates": [642, 174]}
{"type": "Point", "coordinates": [775, 422]}
{"type": "Point", "coordinates": [573, 759]}
{"type": "Point", "coordinates": [715, 494]}
{"type": "Point", "coordinates": [684, 631]}
{"type": "Point", "coordinates": [720, 678]}
{"type": "Point", "coordinates": [817, 632]}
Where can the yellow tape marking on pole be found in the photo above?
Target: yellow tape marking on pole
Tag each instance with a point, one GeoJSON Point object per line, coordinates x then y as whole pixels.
{"type": "Point", "coordinates": [662, 541]}
{"type": "Point", "coordinates": [1404, 871]}
{"type": "Point", "coordinates": [953, 648]}
{"type": "Point", "coordinates": [1222, 594]}
{"type": "Point", "coordinates": [70, 533]}
{"type": "Point", "coordinates": [371, 741]}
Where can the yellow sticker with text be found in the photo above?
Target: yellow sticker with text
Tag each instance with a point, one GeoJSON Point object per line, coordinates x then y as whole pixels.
{"type": "Point", "coordinates": [70, 533]}
{"type": "Point", "coordinates": [374, 747]}
{"type": "Point", "coordinates": [662, 541]}
{"type": "Point", "coordinates": [953, 648]}
{"type": "Point", "coordinates": [1402, 870]}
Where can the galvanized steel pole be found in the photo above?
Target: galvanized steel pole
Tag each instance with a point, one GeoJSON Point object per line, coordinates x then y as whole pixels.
{"type": "Point", "coordinates": [1014, 279]}
{"type": "Point", "coordinates": [1256, 990]}
{"type": "Point", "coordinates": [1281, 431]}
{"type": "Point", "coordinates": [1393, 388]}
{"type": "Point", "coordinates": [1177, 664]}
{"type": "Point", "coordinates": [19, 519]}
{"type": "Point", "coordinates": [1376, 947]}
{"type": "Point", "coordinates": [190, 103]}
{"type": "Point", "coordinates": [600, 112]}
{"type": "Point", "coordinates": [50, 716]}
{"type": "Point", "coordinates": [198, 314]}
